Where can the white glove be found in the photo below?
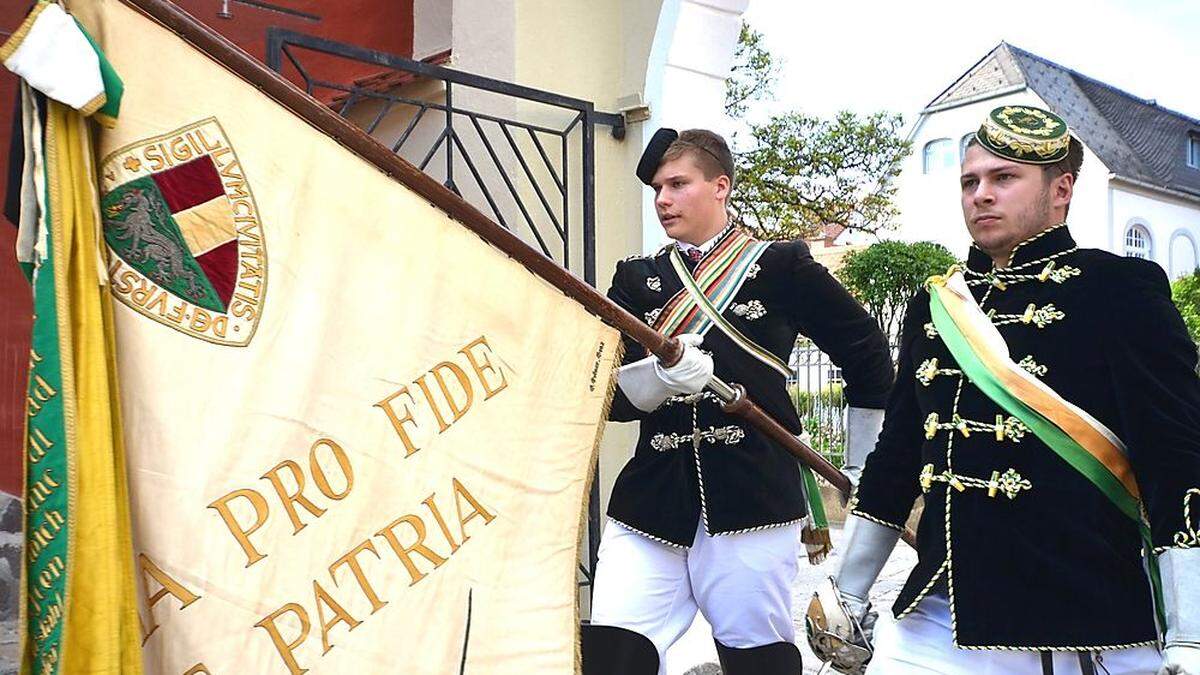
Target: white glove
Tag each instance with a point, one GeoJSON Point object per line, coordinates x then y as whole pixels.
{"type": "Point", "coordinates": [1181, 659]}
{"type": "Point", "coordinates": [840, 622]}
{"type": "Point", "coordinates": [860, 610]}
{"type": "Point", "coordinates": [862, 431]}
{"type": "Point", "coordinates": [868, 546]}
{"type": "Point", "coordinates": [692, 372]}
{"type": "Point", "coordinates": [647, 383]}
{"type": "Point", "coordinates": [1179, 569]}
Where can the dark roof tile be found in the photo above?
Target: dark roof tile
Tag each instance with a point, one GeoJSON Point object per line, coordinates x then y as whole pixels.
{"type": "Point", "coordinates": [1133, 136]}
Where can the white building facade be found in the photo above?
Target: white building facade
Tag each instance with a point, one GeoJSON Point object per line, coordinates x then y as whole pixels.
{"type": "Point", "coordinates": [1138, 192]}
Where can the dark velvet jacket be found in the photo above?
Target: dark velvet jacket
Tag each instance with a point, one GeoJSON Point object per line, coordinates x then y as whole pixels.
{"type": "Point", "coordinates": [737, 479]}
{"type": "Point", "coordinates": [1056, 566]}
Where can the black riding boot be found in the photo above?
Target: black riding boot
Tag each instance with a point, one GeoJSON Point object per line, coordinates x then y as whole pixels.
{"type": "Point", "coordinates": [778, 658]}
{"type": "Point", "coordinates": [608, 650]}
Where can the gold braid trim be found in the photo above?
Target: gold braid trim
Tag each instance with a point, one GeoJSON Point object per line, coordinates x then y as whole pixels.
{"type": "Point", "coordinates": [937, 574]}
{"type": "Point", "coordinates": [1081, 648]}
{"type": "Point", "coordinates": [94, 105]}
{"type": "Point", "coordinates": [877, 521]}
{"type": "Point", "coordinates": [1188, 537]}
{"type": "Point", "coordinates": [1032, 239]}
{"type": "Point", "coordinates": [646, 534]}
{"type": "Point", "coordinates": [1045, 152]}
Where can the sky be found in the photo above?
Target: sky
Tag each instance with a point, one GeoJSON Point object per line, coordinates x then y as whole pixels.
{"type": "Point", "coordinates": [869, 55]}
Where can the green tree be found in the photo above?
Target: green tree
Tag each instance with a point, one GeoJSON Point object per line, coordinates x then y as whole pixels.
{"type": "Point", "coordinates": [797, 173]}
{"type": "Point", "coordinates": [752, 75]}
{"type": "Point", "coordinates": [887, 274]}
{"type": "Point", "coordinates": [1185, 291]}
{"type": "Point", "coordinates": [802, 172]}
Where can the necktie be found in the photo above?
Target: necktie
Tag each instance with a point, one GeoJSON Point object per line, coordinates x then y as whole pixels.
{"type": "Point", "coordinates": [694, 254]}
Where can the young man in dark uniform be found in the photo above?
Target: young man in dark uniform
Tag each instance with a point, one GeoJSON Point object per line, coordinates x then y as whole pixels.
{"type": "Point", "coordinates": [1047, 407]}
{"type": "Point", "coordinates": [707, 514]}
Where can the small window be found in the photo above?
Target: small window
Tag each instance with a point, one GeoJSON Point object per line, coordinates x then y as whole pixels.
{"type": "Point", "coordinates": [1193, 150]}
{"type": "Point", "coordinates": [940, 155]}
{"type": "Point", "coordinates": [962, 144]}
{"type": "Point", "coordinates": [1137, 242]}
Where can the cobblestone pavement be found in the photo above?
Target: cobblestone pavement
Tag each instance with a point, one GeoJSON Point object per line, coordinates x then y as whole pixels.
{"type": "Point", "coordinates": [694, 653]}
{"type": "Point", "coordinates": [8, 647]}
{"type": "Point", "coordinates": [10, 557]}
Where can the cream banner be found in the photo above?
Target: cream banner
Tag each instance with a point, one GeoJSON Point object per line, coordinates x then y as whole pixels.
{"type": "Point", "coordinates": [358, 437]}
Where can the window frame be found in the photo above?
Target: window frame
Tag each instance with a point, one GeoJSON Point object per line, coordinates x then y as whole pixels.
{"type": "Point", "coordinates": [1141, 230]}
{"type": "Point", "coordinates": [1186, 236]}
{"type": "Point", "coordinates": [943, 154]}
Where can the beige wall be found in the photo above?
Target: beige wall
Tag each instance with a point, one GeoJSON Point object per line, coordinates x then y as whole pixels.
{"type": "Point", "coordinates": [672, 55]}
{"type": "Point", "coordinates": [598, 51]}
{"type": "Point", "coordinates": [431, 27]}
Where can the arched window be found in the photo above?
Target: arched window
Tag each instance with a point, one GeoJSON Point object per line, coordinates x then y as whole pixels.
{"type": "Point", "coordinates": [1183, 255]}
{"type": "Point", "coordinates": [1137, 242]}
{"type": "Point", "coordinates": [939, 155]}
{"type": "Point", "coordinates": [962, 144]}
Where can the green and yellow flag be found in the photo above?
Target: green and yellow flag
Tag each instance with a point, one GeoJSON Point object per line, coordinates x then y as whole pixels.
{"type": "Point", "coordinates": [80, 609]}
{"type": "Point", "coordinates": [358, 438]}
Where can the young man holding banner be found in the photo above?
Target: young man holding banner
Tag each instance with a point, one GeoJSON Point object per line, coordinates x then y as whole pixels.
{"type": "Point", "coordinates": [707, 514]}
{"type": "Point", "coordinates": [1048, 409]}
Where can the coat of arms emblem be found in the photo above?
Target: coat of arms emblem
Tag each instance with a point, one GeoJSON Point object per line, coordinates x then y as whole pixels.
{"type": "Point", "coordinates": [183, 231]}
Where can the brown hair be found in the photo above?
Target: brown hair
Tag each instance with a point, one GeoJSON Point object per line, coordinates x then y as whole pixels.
{"type": "Point", "coordinates": [1069, 164]}
{"type": "Point", "coordinates": [708, 149]}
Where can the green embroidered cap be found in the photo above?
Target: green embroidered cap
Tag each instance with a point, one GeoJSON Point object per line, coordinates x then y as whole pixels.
{"type": "Point", "coordinates": [1025, 134]}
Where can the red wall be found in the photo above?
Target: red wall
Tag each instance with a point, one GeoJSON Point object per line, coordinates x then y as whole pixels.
{"type": "Point", "coordinates": [15, 305]}
{"type": "Point", "coordinates": [384, 25]}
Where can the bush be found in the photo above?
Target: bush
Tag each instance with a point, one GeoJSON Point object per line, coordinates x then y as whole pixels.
{"type": "Point", "coordinates": [821, 418]}
{"type": "Point", "coordinates": [1186, 294]}
{"type": "Point", "coordinates": [887, 274]}
{"type": "Point", "coordinates": [806, 401]}
{"type": "Point", "coordinates": [1185, 291]}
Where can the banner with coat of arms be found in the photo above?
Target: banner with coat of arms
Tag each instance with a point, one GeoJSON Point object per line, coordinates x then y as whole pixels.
{"type": "Point", "coordinates": [375, 463]}
{"type": "Point", "coordinates": [183, 232]}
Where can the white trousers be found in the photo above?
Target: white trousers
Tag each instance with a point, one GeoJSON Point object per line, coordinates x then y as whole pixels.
{"type": "Point", "coordinates": [742, 583]}
{"type": "Point", "coordinates": [921, 644]}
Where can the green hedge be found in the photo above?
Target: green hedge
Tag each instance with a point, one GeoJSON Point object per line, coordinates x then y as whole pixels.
{"type": "Point", "coordinates": [803, 401]}
{"type": "Point", "coordinates": [825, 439]}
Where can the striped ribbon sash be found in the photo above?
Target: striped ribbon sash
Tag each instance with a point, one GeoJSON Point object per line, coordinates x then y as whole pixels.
{"type": "Point", "coordinates": [710, 289]}
{"type": "Point", "coordinates": [707, 293]}
{"type": "Point", "coordinates": [1081, 440]}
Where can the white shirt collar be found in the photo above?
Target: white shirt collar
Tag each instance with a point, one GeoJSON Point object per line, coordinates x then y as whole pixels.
{"type": "Point", "coordinates": [706, 246]}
